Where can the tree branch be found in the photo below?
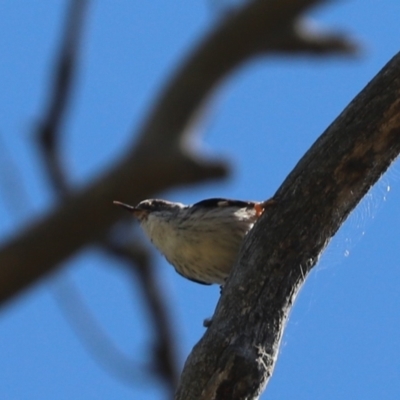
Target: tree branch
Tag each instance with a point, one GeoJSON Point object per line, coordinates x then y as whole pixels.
{"type": "Point", "coordinates": [137, 259]}
{"type": "Point", "coordinates": [65, 69]}
{"type": "Point", "coordinates": [237, 354]}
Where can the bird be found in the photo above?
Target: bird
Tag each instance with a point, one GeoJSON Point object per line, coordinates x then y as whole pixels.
{"type": "Point", "coordinates": [201, 241]}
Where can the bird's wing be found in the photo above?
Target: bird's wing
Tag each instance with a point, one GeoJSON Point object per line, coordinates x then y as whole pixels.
{"type": "Point", "coordinates": [219, 202]}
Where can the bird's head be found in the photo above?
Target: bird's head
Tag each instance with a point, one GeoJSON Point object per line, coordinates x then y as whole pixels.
{"type": "Point", "coordinates": [152, 206]}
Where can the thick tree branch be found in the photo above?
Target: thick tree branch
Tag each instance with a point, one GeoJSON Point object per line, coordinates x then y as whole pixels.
{"type": "Point", "coordinates": [262, 27]}
{"type": "Point", "coordinates": [159, 160]}
{"type": "Point", "coordinates": [237, 354]}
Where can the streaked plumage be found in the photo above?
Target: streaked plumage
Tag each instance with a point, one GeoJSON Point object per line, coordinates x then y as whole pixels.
{"type": "Point", "coordinates": [202, 240]}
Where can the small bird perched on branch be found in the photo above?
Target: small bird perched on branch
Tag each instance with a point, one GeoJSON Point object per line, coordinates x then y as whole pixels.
{"type": "Point", "coordinates": [202, 240]}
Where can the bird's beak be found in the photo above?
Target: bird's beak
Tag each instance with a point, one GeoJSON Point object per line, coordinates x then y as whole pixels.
{"type": "Point", "coordinates": [135, 211]}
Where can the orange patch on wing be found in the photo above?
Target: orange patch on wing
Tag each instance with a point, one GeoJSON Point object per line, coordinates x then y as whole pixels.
{"type": "Point", "coordinates": [259, 209]}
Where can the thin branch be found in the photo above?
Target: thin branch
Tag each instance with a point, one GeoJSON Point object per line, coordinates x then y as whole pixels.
{"type": "Point", "coordinates": [164, 349]}
{"type": "Point", "coordinates": [159, 160]}
{"type": "Point", "coordinates": [65, 69]}
{"type": "Point", "coordinates": [236, 356]}
{"type": "Point", "coordinates": [93, 337]}
{"type": "Point", "coordinates": [302, 36]}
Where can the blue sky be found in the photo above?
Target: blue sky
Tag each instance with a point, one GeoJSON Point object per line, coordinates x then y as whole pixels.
{"type": "Point", "coordinates": [342, 338]}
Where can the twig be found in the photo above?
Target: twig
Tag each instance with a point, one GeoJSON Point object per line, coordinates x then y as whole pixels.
{"type": "Point", "coordinates": [93, 337]}
{"type": "Point", "coordinates": [65, 69]}
{"type": "Point", "coordinates": [164, 348]}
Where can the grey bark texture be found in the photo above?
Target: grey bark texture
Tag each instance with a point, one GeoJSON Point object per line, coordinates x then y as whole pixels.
{"type": "Point", "coordinates": [237, 354]}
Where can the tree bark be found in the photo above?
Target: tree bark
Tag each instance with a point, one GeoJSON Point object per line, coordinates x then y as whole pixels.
{"type": "Point", "coordinates": [236, 356]}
